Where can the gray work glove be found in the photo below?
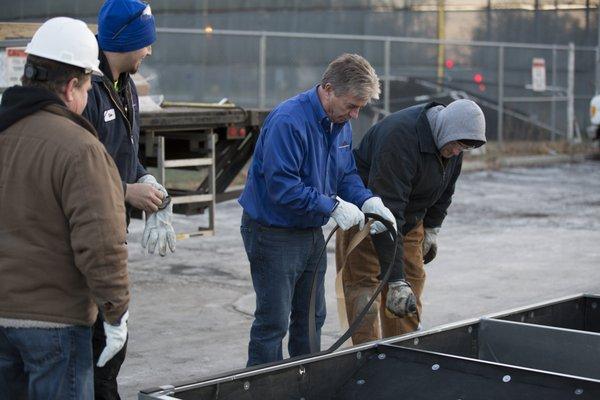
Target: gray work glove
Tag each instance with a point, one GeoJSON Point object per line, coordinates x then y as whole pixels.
{"type": "Point", "coordinates": [401, 300]}
{"type": "Point", "coordinates": [374, 205]}
{"type": "Point", "coordinates": [159, 231]}
{"type": "Point", "coordinates": [346, 215]}
{"type": "Point", "coordinates": [116, 335]}
{"type": "Point", "coordinates": [430, 244]}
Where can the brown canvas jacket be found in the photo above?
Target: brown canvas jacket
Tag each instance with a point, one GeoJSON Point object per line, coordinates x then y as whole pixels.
{"type": "Point", "coordinates": [62, 222]}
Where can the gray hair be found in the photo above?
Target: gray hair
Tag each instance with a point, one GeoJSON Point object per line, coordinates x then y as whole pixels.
{"type": "Point", "coordinates": [351, 73]}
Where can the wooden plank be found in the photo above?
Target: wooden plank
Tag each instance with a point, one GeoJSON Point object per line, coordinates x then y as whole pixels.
{"type": "Point", "coordinates": [24, 30]}
{"type": "Point", "coordinates": [194, 198]}
{"type": "Point", "coordinates": [187, 162]}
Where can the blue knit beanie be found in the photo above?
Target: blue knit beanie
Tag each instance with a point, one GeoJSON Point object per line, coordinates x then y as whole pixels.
{"type": "Point", "coordinates": [125, 25]}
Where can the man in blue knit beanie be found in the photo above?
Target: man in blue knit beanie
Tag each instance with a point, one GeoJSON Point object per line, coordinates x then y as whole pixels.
{"type": "Point", "coordinates": [126, 32]}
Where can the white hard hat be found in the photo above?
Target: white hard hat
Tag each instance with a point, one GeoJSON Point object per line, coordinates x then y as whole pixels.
{"type": "Point", "coordinates": [66, 40]}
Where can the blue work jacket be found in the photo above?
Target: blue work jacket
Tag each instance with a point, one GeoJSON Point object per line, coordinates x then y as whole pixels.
{"type": "Point", "coordinates": [301, 162]}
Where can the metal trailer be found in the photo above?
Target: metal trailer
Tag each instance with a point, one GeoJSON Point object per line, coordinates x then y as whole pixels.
{"type": "Point", "coordinates": [213, 142]}
{"type": "Point", "coordinates": [549, 350]}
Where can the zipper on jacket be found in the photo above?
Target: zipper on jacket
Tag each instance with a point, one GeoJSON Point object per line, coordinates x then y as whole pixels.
{"type": "Point", "coordinates": [443, 169]}
{"type": "Point", "coordinates": [129, 127]}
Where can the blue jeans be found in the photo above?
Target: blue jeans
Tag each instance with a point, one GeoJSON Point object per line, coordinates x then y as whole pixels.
{"type": "Point", "coordinates": [282, 262]}
{"type": "Point", "coordinates": [41, 363]}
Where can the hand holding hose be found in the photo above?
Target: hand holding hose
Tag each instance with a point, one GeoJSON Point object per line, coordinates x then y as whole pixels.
{"type": "Point", "coordinates": [401, 300]}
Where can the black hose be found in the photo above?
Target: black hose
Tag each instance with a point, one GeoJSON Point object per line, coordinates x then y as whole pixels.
{"type": "Point", "coordinates": [312, 326]}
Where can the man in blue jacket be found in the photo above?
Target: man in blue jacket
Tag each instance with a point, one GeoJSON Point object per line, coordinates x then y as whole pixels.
{"type": "Point", "coordinates": [126, 32]}
{"type": "Point", "coordinates": [302, 174]}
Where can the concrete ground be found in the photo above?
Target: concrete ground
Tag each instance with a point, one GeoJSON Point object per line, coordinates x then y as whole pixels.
{"type": "Point", "coordinates": [512, 237]}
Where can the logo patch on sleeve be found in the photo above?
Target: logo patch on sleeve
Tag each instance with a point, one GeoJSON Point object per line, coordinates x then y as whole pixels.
{"type": "Point", "coordinates": [109, 115]}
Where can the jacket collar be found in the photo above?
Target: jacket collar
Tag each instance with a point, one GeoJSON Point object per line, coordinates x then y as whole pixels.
{"type": "Point", "coordinates": [320, 113]}
{"type": "Point", "coordinates": [424, 133]}
{"type": "Point", "coordinates": [315, 102]}
{"type": "Point", "coordinates": [105, 68]}
{"type": "Point", "coordinates": [19, 102]}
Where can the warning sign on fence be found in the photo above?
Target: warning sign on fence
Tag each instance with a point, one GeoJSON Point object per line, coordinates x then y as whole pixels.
{"type": "Point", "coordinates": [538, 74]}
{"type": "Point", "coordinates": [14, 61]}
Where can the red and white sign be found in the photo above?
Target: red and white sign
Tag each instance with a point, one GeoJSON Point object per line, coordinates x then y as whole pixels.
{"type": "Point", "coordinates": [14, 62]}
{"type": "Point", "coordinates": [538, 75]}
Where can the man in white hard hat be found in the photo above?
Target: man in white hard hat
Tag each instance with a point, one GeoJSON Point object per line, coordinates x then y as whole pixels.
{"type": "Point", "coordinates": [126, 32]}
{"type": "Point", "coordinates": [63, 253]}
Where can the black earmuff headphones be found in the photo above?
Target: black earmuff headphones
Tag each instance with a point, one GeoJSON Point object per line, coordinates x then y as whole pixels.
{"type": "Point", "coordinates": [35, 72]}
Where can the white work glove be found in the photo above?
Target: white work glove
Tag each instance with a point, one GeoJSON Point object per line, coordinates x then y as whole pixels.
{"type": "Point", "coordinates": [400, 300]}
{"type": "Point", "coordinates": [346, 215]}
{"type": "Point", "coordinates": [374, 205]}
{"type": "Point", "coordinates": [116, 335]}
{"type": "Point", "coordinates": [430, 244]}
{"type": "Point", "coordinates": [159, 227]}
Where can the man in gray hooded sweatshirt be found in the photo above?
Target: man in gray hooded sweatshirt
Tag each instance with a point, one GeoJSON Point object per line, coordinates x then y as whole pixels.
{"type": "Point", "coordinates": [411, 159]}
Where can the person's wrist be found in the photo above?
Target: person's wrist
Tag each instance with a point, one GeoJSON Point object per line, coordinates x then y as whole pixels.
{"type": "Point", "coordinates": [126, 187]}
{"type": "Point", "coordinates": [336, 203]}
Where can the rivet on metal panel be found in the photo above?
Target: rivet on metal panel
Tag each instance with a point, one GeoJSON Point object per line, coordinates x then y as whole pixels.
{"type": "Point", "coordinates": [506, 378]}
{"type": "Point", "coordinates": [246, 385]}
{"type": "Point", "coordinates": [470, 329]}
{"type": "Point", "coordinates": [359, 355]}
{"type": "Point", "coordinates": [578, 391]}
{"type": "Point", "coordinates": [360, 382]}
{"type": "Point", "coordinates": [416, 341]}
{"type": "Point", "coordinates": [435, 367]}
{"type": "Point", "coordinates": [301, 370]}
{"type": "Point", "coordinates": [381, 356]}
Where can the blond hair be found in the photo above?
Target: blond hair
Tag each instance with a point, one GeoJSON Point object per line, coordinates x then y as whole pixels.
{"type": "Point", "coordinates": [352, 73]}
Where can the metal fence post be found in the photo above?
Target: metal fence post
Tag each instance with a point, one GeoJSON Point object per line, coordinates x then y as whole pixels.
{"type": "Point", "coordinates": [571, 93]}
{"type": "Point", "coordinates": [553, 104]}
{"type": "Point", "coordinates": [598, 51]}
{"type": "Point", "coordinates": [262, 71]}
{"type": "Point", "coordinates": [598, 68]}
{"type": "Point", "coordinates": [500, 95]}
{"type": "Point", "coordinates": [387, 49]}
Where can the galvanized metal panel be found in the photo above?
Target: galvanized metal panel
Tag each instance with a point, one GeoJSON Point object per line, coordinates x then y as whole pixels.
{"type": "Point", "coordinates": [408, 373]}
{"type": "Point", "coordinates": [568, 314]}
{"type": "Point", "coordinates": [592, 314]}
{"type": "Point", "coordinates": [310, 378]}
{"type": "Point", "coordinates": [400, 373]}
{"type": "Point", "coordinates": [541, 347]}
{"type": "Point", "coordinates": [459, 341]}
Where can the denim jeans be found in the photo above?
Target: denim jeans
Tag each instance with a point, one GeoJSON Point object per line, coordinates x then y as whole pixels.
{"type": "Point", "coordinates": [282, 263]}
{"type": "Point", "coordinates": [40, 363]}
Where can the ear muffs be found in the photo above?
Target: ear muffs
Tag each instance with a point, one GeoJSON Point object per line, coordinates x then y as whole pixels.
{"type": "Point", "coordinates": [35, 73]}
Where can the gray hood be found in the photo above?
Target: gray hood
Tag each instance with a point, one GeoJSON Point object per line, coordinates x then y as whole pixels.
{"type": "Point", "coordinates": [460, 120]}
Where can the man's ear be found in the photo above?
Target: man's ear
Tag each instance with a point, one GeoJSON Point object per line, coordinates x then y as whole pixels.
{"type": "Point", "coordinates": [69, 89]}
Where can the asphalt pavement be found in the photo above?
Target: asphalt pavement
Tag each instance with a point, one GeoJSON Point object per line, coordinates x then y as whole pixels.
{"type": "Point", "coordinates": [512, 237]}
